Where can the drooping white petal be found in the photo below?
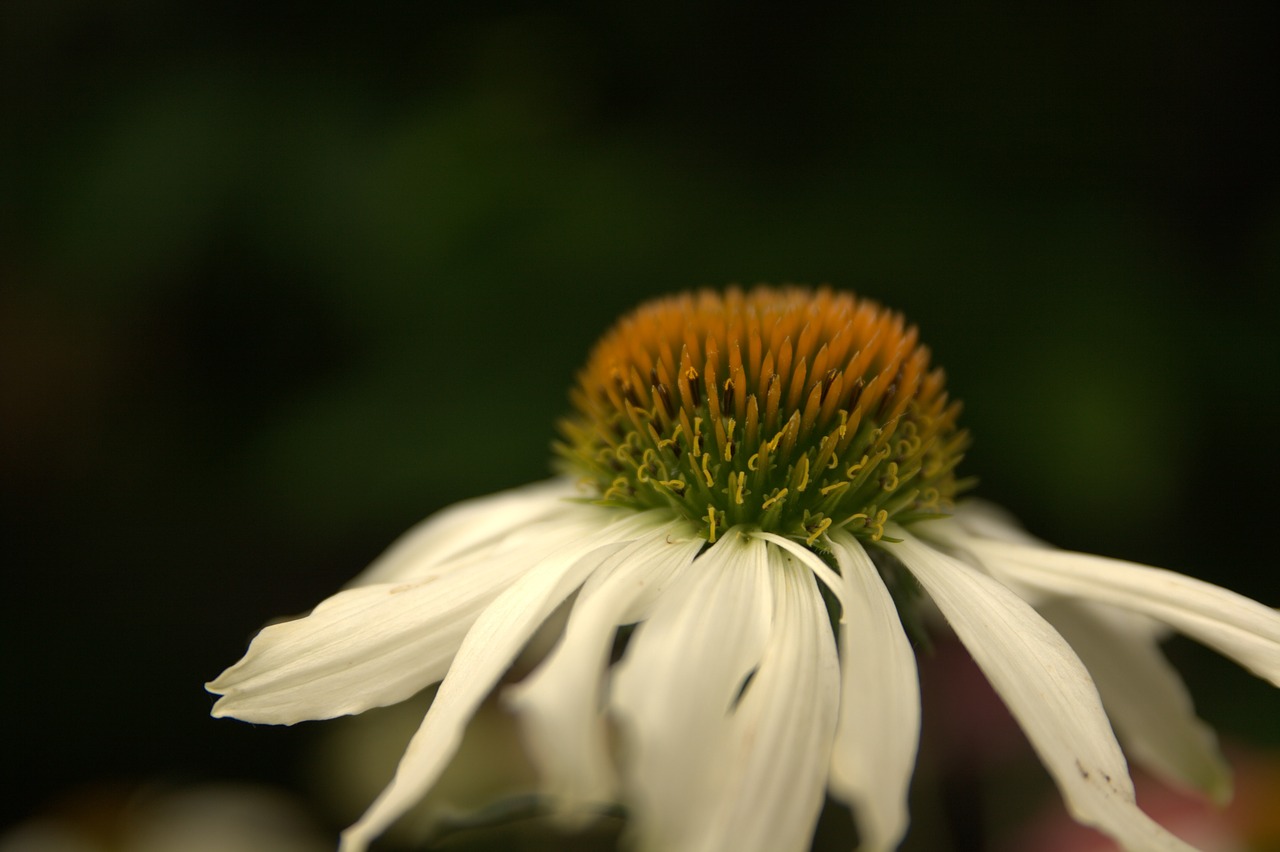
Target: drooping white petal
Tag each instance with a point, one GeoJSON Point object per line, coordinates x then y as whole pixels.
{"type": "Point", "coordinates": [976, 522]}
{"type": "Point", "coordinates": [487, 651]}
{"type": "Point", "coordinates": [677, 683]}
{"type": "Point", "coordinates": [431, 545]}
{"type": "Point", "coordinates": [1047, 689]}
{"type": "Point", "coordinates": [361, 648]}
{"type": "Point", "coordinates": [1147, 702]}
{"type": "Point", "coordinates": [879, 730]}
{"type": "Point", "coordinates": [369, 646]}
{"type": "Point", "coordinates": [810, 559]}
{"type": "Point", "coordinates": [1232, 624]}
{"type": "Point", "coordinates": [559, 704]}
{"type": "Point", "coordinates": [773, 763]}
{"type": "Point", "coordinates": [985, 520]}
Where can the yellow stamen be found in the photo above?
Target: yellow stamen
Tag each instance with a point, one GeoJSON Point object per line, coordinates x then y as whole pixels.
{"type": "Point", "coordinates": [822, 527]}
{"type": "Point", "coordinates": [778, 495]}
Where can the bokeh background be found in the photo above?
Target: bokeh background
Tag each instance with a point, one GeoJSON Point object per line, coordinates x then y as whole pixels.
{"type": "Point", "coordinates": [277, 281]}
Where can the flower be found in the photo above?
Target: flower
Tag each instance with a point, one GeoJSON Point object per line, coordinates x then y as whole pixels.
{"type": "Point", "coordinates": [763, 483]}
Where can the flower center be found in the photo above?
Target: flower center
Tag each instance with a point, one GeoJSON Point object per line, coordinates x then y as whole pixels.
{"type": "Point", "coordinates": [793, 410]}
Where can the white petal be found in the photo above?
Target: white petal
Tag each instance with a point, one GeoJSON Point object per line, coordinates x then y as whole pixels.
{"type": "Point", "coordinates": [986, 520]}
{"type": "Point", "coordinates": [1232, 624]}
{"type": "Point", "coordinates": [879, 731]}
{"type": "Point", "coordinates": [432, 544]}
{"type": "Point", "coordinates": [775, 761]}
{"type": "Point", "coordinates": [674, 689]}
{"type": "Point", "coordinates": [1146, 700]}
{"type": "Point", "coordinates": [1047, 689]}
{"type": "Point", "coordinates": [559, 704]}
{"type": "Point", "coordinates": [487, 651]}
{"type": "Point", "coordinates": [370, 646]}
{"type": "Point", "coordinates": [811, 560]}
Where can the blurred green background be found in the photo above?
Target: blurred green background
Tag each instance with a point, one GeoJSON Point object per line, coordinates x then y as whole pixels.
{"type": "Point", "coordinates": [277, 281]}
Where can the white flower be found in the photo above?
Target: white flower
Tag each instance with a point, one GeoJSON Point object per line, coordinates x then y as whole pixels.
{"type": "Point", "coordinates": [728, 503]}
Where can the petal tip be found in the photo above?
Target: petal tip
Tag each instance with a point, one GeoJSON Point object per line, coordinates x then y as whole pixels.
{"type": "Point", "coordinates": [230, 706]}
{"type": "Point", "coordinates": [353, 839]}
{"type": "Point", "coordinates": [220, 710]}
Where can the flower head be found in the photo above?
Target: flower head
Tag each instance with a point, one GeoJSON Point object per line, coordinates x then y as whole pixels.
{"type": "Point", "coordinates": [727, 458]}
{"type": "Point", "coordinates": [790, 411]}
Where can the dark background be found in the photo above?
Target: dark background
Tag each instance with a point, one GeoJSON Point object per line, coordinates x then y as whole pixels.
{"type": "Point", "coordinates": [277, 281]}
